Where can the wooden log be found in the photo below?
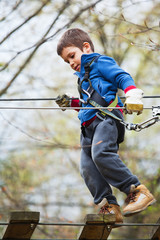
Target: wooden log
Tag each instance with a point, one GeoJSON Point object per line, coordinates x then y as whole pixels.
{"type": "Point", "coordinates": [21, 225]}
{"type": "Point", "coordinates": [98, 226]}
{"type": "Point", "coordinates": [155, 235]}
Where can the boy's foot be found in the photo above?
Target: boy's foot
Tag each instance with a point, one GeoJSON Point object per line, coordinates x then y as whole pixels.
{"type": "Point", "coordinates": [138, 200]}
{"type": "Point", "coordinates": [107, 208]}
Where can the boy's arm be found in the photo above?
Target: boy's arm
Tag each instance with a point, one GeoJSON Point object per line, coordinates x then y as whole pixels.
{"type": "Point", "coordinates": [121, 79]}
{"type": "Point", "coordinates": [66, 101]}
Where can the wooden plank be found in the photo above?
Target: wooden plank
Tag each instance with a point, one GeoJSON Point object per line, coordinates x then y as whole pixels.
{"type": "Point", "coordinates": [21, 225]}
{"type": "Point", "coordinates": [155, 235]}
{"type": "Point", "coordinates": [98, 226]}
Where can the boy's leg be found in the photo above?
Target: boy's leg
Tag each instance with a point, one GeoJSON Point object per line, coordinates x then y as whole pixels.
{"type": "Point", "coordinates": [104, 154]}
{"type": "Point", "coordinates": [113, 169]}
{"type": "Point", "coordinates": [95, 182]}
{"type": "Point", "coordinates": [99, 188]}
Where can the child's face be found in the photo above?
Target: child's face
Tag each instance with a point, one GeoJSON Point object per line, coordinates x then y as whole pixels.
{"type": "Point", "coordinates": [72, 55]}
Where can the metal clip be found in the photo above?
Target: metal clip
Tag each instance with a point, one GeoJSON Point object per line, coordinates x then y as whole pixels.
{"type": "Point", "coordinates": [131, 126]}
{"type": "Point", "coordinates": [139, 126]}
{"type": "Point", "coordinates": [88, 94]}
{"type": "Point", "coordinates": [155, 110]}
{"type": "Point", "coordinates": [82, 101]}
{"type": "Point", "coordinates": [147, 123]}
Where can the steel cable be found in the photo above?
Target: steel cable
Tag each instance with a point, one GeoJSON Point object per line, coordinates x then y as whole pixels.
{"type": "Point", "coordinates": [53, 99]}
{"type": "Point", "coordinates": [61, 108]}
{"type": "Point", "coordinates": [84, 224]}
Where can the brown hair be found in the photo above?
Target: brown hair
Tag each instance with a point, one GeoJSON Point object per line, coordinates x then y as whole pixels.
{"type": "Point", "coordinates": [74, 37]}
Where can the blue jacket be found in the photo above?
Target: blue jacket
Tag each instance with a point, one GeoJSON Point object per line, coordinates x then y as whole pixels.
{"type": "Point", "coordinates": [106, 77]}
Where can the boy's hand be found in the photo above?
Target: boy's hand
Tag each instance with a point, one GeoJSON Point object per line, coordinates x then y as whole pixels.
{"type": "Point", "coordinates": [63, 101]}
{"type": "Point", "coordinates": [133, 101]}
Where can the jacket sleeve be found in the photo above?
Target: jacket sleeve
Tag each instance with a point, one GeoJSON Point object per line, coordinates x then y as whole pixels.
{"type": "Point", "coordinates": [110, 70]}
{"type": "Point", "coordinates": [75, 103]}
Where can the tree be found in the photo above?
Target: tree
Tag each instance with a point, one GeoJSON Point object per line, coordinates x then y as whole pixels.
{"type": "Point", "coordinates": [39, 147]}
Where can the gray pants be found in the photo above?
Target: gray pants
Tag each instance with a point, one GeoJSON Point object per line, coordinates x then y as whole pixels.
{"type": "Point", "coordinates": [100, 164]}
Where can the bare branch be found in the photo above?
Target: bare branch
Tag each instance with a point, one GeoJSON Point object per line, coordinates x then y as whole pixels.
{"type": "Point", "coordinates": [27, 20]}
{"type": "Point", "coordinates": [32, 53]}
{"type": "Point", "coordinates": [11, 60]}
{"type": "Point", "coordinates": [73, 19]}
{"type": "Point", "coordinates": [13, 9]}
{"type": "Point", "coordinates": [44, 39]}
{"type": "Point", "coordinates": [9, 196]}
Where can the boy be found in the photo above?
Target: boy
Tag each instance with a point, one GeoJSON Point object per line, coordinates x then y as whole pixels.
{"type": "Point", "coordinates": [99, 79]}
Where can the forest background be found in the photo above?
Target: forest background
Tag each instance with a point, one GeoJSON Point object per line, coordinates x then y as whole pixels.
{"type": "Point", "coordinates": [40, 151]}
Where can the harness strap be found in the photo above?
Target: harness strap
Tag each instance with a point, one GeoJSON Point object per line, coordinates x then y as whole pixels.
{"type": "Point", "coordinates": [94, 98]}
{"type": "Point", "coordinates": [105, 112]}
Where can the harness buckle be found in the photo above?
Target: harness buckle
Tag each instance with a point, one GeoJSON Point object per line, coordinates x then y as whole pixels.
{"type": "Point", "coordinates": [100, 115]}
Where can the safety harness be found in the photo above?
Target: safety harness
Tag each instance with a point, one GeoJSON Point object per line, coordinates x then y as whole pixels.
{"type": "Point", "coordinates": [93, 97]}
{"type": "Point", "coordinates": [97, 101]}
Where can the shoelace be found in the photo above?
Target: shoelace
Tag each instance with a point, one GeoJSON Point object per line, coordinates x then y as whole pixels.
{"type": "Point", "coordinates": [131, 197]}
{"type": "Point", "coordinates": [105, 208]}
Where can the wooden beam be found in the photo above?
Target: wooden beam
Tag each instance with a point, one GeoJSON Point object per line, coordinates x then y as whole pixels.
{"type": "Point", "coordinates": [155, 235]}
{"type": "Point", "coordinates": [21, 225]}
{"type": "Point", "coordinates": [98, 226]}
